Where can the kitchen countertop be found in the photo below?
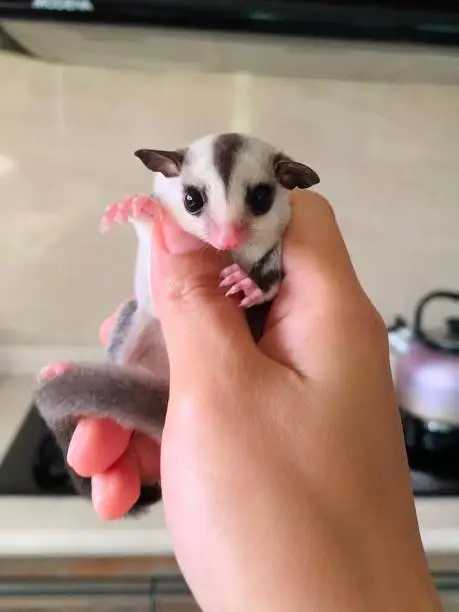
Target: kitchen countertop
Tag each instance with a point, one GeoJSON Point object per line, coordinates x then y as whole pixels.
{"type": "Point", "coordinates": [66, 527]}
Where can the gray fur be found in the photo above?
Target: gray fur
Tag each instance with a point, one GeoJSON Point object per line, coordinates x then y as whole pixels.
{"type": "Point", "coordinates": [130, 396]}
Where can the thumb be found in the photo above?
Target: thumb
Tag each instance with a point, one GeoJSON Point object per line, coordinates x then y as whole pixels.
{"type": "Point", "coordinates": [202, 328]}
{"type": "Point", "coordinates": [321, 298]}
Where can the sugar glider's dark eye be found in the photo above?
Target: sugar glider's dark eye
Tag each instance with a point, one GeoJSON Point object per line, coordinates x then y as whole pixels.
{"type": "Point", "coordinates": [260, 198]}
{"type": "Point", "coordinates": [193, 200]}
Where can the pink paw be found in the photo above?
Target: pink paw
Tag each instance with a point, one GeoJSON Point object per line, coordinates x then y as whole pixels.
{"type": "Point", "coordinates": [55, 369]}
{"type": "Point", "coordinates": [238, 280]}
{"type": "Point", "coordinates": [132, 207]}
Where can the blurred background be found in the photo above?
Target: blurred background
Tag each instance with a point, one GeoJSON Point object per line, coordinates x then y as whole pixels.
{"type": "Point", "coordinates": [367, 93]}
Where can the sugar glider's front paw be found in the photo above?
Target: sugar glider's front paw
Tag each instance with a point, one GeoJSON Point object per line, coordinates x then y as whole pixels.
{"type": "Point", "coordinates": [55, 369]}
{"type": "Point", "coordinates": [239, 281]}
{"type": "Point", "coordinates": [134, 207]}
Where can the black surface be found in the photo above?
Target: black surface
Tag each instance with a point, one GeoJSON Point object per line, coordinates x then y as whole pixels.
{"type": "Point", "coordinates": [430, 22]}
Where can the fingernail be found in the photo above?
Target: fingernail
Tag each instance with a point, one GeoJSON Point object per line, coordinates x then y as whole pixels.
{"type": "Point", "coordinates": [172, 238]}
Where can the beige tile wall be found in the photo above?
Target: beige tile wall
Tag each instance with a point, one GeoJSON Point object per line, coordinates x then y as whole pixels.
{"type": "Point", "coordinates": [388, 154]}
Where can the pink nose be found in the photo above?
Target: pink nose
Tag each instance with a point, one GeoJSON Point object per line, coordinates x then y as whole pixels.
{"type": "Point", "coordinates": [230, 237]}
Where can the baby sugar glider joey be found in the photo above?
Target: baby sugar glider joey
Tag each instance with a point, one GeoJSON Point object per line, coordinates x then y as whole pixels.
{"type": "Point", "coordinates": [232, 192]}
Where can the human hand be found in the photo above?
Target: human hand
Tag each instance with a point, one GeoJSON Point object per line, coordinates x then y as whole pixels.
{"type": "Point", "coordinates": [283, 463]}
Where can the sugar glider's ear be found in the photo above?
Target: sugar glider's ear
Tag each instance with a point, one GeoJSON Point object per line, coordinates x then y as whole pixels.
{"type": "Point", "coordinates": [292, 174]}
{"type": "Point", "coordinates": [168, 163]}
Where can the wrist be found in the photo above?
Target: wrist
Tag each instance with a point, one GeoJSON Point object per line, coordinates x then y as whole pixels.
{"type": "Point", "coordinates": [324, 567]}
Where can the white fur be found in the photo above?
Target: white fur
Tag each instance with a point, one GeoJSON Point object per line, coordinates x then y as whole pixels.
{"type": "Point", "coordinates": [143, 268]}
{"type": "Point", "coordinates": [145, 311]}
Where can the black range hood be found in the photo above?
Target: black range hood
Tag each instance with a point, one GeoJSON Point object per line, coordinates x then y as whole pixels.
{"type": "Point", "coordinates": [434, 21]}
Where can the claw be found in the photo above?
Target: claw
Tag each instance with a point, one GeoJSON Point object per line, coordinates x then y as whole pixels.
{"type": "Point", "coordinates": [134, 206]}
{"type": "Point", "coordinates": [231, 270]}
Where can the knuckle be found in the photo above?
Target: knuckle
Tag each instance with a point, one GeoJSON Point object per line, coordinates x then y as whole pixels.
{"type": "Point", "coordinates": [371, 324]}
{"type": "Point", "coordinates": [377, 327]}
{"type": "Point", "coordinates": [357, 314]}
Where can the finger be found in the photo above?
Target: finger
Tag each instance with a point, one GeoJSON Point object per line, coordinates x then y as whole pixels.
{"type": "Point", "coordinates": [201, 326]}
{"type": "Point", "coordinates": [314, 246]}
{"type": "Point", "coordinates": [147, 452]}
{"type": "Point", "coordinates": [320, 289]}
{"type": "Point", "coordinates": [116, 490]}
{"type": "Point", "coordinates": [319, 274]}
{"type": "Point", "coordinates": [96, 445]}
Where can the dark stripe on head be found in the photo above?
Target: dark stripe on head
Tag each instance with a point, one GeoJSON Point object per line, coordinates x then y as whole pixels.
{"type": "Point", "coordinates": [226, 149]}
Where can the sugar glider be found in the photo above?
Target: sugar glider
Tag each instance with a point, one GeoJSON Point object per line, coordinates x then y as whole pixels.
{"type": "Point", "coordinates": [231, 191]}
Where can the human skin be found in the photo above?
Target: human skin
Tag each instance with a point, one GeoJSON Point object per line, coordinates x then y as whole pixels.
{"type": "Point", "coordinates": [283, 467]}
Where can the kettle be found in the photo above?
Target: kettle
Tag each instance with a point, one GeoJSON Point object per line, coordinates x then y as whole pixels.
{"type": "Point", "coordinates": [426, 370]}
